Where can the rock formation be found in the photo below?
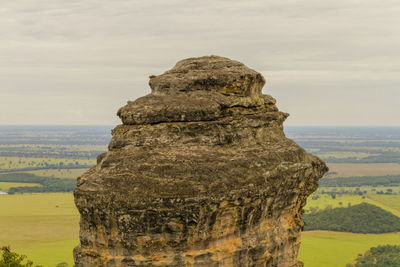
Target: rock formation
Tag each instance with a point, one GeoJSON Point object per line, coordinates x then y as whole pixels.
{"type": "Point", "coordinates": [200, 173]}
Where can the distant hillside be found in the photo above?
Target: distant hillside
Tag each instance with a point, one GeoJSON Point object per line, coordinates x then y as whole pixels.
{"type": "Point", "coordinates": [362, 218]}
{"type": "Point", "coordinates": [381, 256]}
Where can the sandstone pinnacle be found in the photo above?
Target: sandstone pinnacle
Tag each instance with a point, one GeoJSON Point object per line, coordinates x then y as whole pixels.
{"type": "Point", "coordinates": [200, 173]}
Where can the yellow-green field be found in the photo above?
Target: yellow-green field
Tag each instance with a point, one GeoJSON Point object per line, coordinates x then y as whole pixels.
{"type": "Point", "coordinates": [335, 249]}
{"type": "Point", "coordinates": [331, 249]}
{"type": "Point", "coordinates": [60, 173]}
{"type": "Point", "coordinates": [45, 228]}
{"type": "Point", "coordinates": [5, 186]}
{"type": "Point", "coordinates": [42, 226]}
{"type": "Point", "coordinates": [363, 169]}
{"type": "Point", "coordinates": [386, 202]}
{"type": "Point", "coordinates": [7, 163]}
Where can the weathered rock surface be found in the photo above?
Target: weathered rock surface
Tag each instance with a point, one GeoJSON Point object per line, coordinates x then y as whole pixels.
{"type": "Point", "coordinates": [200, 173]}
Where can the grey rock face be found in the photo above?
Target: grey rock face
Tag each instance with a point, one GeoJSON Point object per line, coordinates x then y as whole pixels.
{"type": "Point", "coordinates": [213, 74]}
{"type": "Point", "coordinates": [200, 173]}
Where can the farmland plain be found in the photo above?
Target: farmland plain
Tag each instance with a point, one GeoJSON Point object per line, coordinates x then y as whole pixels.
{"type": "Point", "coordinates": [58, 173]}
{"type": "Point", "coordinates": [12, 163]}
{"type": "Point", "coordinates": [42, 226]}
{"type": "Point", "coordinates": [45, 226]}
{"type": "Point", "coordinates": [4, 186]}
{"type": "Point", "coordinates": [363, 169]}
{"type": "Point", "coordinates": [336, 249]}
{"type": "Point", "coordinates": [386, 202]}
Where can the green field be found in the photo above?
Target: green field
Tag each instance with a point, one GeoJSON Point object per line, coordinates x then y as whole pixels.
{"type": "Point", "coordinates": [335, 249]}
{"type": "Point", "coordinates": [330, 249]}
{"type": "Point", "coordinates": [58, 173]}
{"type": "Point", "coordinates": [390, 202]}
{"type": "Point", "coordinates": [42, 226]}
{"type": "Point", "coordinates": [9, 163]}
{"type": "Point", "coordinates": [4, 186]}
{"type": "Point", "coordinates": [386, 202]}
{"type": "Point", "coordinates": [45, 228]}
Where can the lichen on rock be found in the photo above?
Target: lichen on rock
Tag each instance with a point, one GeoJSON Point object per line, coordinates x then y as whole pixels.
{"type": "Point", "coordinates": [200, 173]}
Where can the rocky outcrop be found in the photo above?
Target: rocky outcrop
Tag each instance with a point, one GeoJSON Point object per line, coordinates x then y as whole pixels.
{"type": "Point", "coordinates": [200, 173]}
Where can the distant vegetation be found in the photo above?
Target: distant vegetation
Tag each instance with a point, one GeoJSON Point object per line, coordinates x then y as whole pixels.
{"type": "Point", "coordinates": [28, 148]}
{"type": "Point", "coordinates": [48, 184]}
{"type": "Point", "coordinates": [388, 180]}
{"type": "Point", "coordinates": [13, 164]}
{"type": "Point", "coordinates": [55, 135]}
{"type": "Point", "coordinates": [362, 218]}
{"type": "Point", "coordinates": [349, 144]}
{"type": "Point", "coordinates": [381, 256]}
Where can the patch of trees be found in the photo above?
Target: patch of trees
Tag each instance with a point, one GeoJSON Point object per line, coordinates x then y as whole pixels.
{"type": "Point", "coordinates": [388, 180]}
{"type": "Point", "coordinates": [333, 193]}
{"type": "Point", "coordinates": [349, 191]}
{"type": "Point", "coordinates": [362, 218]}
{"type": "Point", "coordinates": [381, 256]}
{"type": "Point", "coordinates": [9, 258]}
{"type": "Point", "coordinates": [48, 184]}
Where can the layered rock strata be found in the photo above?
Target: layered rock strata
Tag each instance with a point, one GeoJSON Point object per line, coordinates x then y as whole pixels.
{"type": "Point", "coordinates": [200, 173]}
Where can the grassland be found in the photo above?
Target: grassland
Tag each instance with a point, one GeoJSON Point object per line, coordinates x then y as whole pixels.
{"type": "Point", "coordinates": [386, 202]}
{"type": "Point", "coordinates": [363, 169]}
{"type": "Point", "coordinates": [42, 226]}
{"type": "Point", "coordinates": [58, 173]}
{"type": "Point", "coordinates": [4, 186]}
{"type": "Point", "coordinates": [9, 163]}
{"type": "Point", "coordinates": [45, 227]}
{"type": "Point", "coordinates": [49, 254]}
{"type": "Point", "coordinates": [331, 249]}
{"type": "Point", "coordinates": [390, 202]}
{"type": "Point", "coordinates": [335, 249]}
{"type": "Point", "coordinates": [340, 201]}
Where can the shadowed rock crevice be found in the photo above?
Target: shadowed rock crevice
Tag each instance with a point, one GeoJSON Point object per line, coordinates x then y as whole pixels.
{"type": "Point", "coordinates": [200, 173]}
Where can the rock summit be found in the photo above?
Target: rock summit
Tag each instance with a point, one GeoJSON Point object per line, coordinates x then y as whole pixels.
{"type": "Point", "coordinates": [200, 173]}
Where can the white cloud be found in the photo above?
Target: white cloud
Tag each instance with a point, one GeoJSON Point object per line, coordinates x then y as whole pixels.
{"type": "Point", "coordinates": [325, 61]}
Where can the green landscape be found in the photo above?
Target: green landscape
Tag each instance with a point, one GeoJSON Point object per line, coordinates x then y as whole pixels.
{"type": "Point", "coordinates": [38, 171]}
{"type": "Point", "coordinates": [38, 217]}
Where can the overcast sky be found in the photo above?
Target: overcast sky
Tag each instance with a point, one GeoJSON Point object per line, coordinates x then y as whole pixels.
{"type": "Point", "coordinates": [334, 62]}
